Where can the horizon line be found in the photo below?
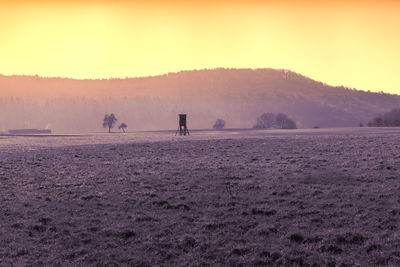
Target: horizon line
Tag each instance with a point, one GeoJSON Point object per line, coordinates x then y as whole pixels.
{"type": "Point", "coordinates": [148, 76]}
{"type": "Point", "coordinates": [189, 70]}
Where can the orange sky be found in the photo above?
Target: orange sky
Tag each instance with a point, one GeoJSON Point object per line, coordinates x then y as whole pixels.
{"type": "Point", "coordinates": [351, 43]}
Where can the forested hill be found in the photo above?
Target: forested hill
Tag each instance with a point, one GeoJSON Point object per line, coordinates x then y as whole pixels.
{"type": "Point", "coordinates": [236, 95]}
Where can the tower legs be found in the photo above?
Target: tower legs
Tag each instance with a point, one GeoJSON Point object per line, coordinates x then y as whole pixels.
{"type": "Point", "coordinates": [183, 130]}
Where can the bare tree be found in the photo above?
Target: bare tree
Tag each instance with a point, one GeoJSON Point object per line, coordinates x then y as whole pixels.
{"type": "Point", "coordinates": [281, 120]}
{"type": "Point", "coordinates": [265, 121]}
{"type": "Point", "coordinates": [109, 121]}
{"type": "Point", "coordinates": [123, 126]}
{"type": "Point", "coordinates": [284, 122]}
{"type": "Point", "coordinates": [219, 124]}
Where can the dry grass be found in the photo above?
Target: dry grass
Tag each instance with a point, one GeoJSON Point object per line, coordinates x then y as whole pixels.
{"type": "Point", "coordinates": [289, 200]}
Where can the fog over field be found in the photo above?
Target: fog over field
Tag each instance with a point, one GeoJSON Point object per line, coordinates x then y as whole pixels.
{"type": "Point", "coordinates": [152, 103]}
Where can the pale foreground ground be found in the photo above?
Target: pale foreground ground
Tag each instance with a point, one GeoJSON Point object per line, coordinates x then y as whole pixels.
{"type": "Point", "coordinates": [311, 198]}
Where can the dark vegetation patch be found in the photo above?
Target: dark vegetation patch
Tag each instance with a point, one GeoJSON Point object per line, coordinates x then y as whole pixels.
{"type": "Point", "coordinates": [22, 252]}
{"type": "Point", "coordinates": [295, 261]}
{"type": "Point", "coordinates": [146, 219]}
{"type": "Point", "coordinates": [44, 221]}
{"type": "Point", "coordinates": [88, 197]}
{"type": "Point", "coordinates": [373, 247]}
{"type": "Point", "coordinates": [93, 229]}
{"type": "Point", "coordinates": [160, 203]}
{"type": "Point", "coordinates": [189, 242]}
{"type": "Point", "coordinates": [127, 234]}
{"type": "Point", "coordinates": [215, 226]}
{"type": "Point", "coordinates": [332, 249]}
{"type": "Point", "coordinates": [240, 251]}
{"type": "Point", "coordinates": [87, 241]}
{"type": "Point", "coordinates": [315, 239]}
{"type": "Point", "coordinates": [274, 256]}
{"type": "Point", "coordinates": [17, 225]}
{"type": "Point", "coordinates": [263, 212]}
{"type": "Point", "coordinates": [297, 238]}
{"type": "Point", "coordinates": [166, 205]}
{"type": "Point", "coordinates": [38, 228]}
{"type": "Point", "coordinates": [265, 254]}
{"type": "Point", "coordinates": [350, 239]}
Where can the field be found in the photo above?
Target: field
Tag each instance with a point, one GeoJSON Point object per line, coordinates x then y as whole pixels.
{"type": "Point", "coordinates": [324, 197]}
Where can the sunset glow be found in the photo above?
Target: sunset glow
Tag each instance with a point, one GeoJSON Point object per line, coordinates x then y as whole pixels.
{"type": "Point", "coordinates": [350, 43]}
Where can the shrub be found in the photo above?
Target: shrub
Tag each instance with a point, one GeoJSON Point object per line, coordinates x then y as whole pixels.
{"type": "Point", "coordinates": [278, 121]}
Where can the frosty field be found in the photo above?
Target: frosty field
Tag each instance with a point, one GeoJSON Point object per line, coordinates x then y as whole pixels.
{"type": "Point", "coordinates": [323, 197]}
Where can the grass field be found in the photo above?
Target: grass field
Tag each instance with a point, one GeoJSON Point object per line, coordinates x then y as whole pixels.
{"type": "Point", "coordinates": [288, 198]}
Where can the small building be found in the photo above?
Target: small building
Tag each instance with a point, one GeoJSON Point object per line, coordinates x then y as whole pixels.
{"type": "Point", "coordinates": [29, 131]}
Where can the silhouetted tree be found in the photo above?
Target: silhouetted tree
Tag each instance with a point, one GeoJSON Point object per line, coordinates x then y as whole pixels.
{"type": "Point", "coordinates": [289, 124]}
{"type": "Point", "coordinates": [123, 126]}
{"type": "Point", "coordinates": [284, 122]}
{"type": "Point", "coordinates": [219, 124]}
{"type": "Point", "coordinates": [109, 121]}
{"type": "Point", "coordinates": [281, 120]}
{"type": "Point", "coordinates": [265, 121]}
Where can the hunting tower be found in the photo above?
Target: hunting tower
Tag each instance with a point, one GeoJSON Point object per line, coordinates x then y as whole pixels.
{"type": "Point", "coordinates": [183, 130]}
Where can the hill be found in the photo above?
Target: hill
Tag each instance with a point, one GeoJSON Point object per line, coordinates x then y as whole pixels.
{"type": "Point", "coordinates": [148, 103]}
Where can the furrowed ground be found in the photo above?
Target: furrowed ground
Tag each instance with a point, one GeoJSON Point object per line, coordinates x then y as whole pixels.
{"type": "Point", "coordinates": [330, 200]}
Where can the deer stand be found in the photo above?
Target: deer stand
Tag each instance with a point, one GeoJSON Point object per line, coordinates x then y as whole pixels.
{"type": "Point", "coordinates": [183, 130]}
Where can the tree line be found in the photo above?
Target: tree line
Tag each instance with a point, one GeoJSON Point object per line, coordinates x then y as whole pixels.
{"type": "Point", "coordinates": [266, 121]}
{"type": "Point", "coordinates": [388, 119]}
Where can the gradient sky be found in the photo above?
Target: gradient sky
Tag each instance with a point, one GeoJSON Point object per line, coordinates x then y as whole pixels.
{"type": "Point", "coordinates": [351, 43]}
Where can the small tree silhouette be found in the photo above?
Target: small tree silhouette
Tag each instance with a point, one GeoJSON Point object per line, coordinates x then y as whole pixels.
{"type": "Point", "coordinates": [109, 121]}
{"type": "Point", "coordinates": [219, 124]}
{"type": "Point", "coordinates": [123, 126]}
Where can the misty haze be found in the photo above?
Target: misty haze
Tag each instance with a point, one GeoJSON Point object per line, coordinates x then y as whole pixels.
{"type": "Point", "coordinates": [238, 96]}
{"type": "Point", "coordinates": [200, 133]}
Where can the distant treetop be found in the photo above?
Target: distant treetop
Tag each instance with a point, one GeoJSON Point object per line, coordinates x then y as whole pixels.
{"type": "Point", "coordinates": [219, 124]}
{"type": "Point", "coordinates": [109, 121]}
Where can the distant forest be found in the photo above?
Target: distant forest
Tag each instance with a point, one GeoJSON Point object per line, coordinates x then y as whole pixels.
{"type": "Point", "coordinates": [238, 96]}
